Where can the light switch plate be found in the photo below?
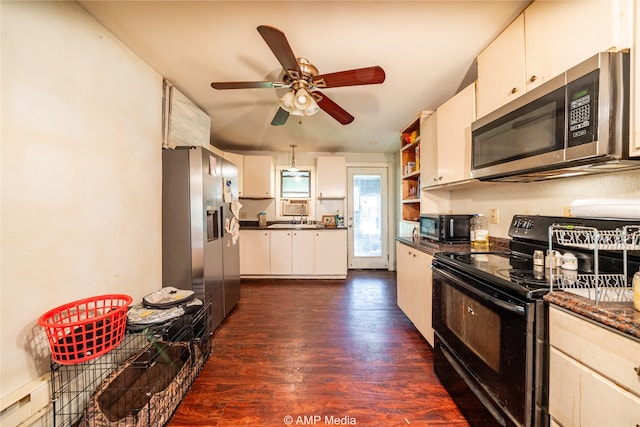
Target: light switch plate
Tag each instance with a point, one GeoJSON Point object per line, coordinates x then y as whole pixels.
{"type": "Point", "coordinates": [493, 216]}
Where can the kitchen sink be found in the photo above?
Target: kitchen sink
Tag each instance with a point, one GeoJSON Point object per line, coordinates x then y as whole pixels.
{"type": "Point", "coordinates": [311, 226]}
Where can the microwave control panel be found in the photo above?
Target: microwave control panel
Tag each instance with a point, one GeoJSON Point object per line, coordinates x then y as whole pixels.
{"type": "Point", "coordinates": [582, 102]}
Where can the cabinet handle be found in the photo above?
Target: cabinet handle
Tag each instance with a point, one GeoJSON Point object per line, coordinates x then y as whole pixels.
{"type": "Point", "coordinates": [637, 369]}
{"type": "Point", "coordinates": [440, 178]}
{"type": "Point", "coordinates": [514, 90]}
{"type": "Point", "coordinates": [533, 79]}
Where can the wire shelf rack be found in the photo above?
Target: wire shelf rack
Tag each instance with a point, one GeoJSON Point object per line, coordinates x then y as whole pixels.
{"type": "Point", "coordinates": [596, 286]}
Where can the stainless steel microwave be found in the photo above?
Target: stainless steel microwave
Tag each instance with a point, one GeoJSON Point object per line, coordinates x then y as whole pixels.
{"type": "Point", "coordinates": [445, 228]}
{"type": "Point", "coordinates": [576, 123]}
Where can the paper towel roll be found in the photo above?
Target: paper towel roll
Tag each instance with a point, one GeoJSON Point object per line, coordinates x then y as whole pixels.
{"type": "Point", "coordinates": [606, 208]}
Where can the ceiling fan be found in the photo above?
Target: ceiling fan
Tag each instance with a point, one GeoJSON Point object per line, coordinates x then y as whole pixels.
{"type": "Point", "coordinates": [303, 79]}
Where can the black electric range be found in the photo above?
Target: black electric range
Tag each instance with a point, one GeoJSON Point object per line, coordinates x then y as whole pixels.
{"type": "Point", "coordinates": [490, 320]}
{"type": "Point", "coordinates": [513, 271]}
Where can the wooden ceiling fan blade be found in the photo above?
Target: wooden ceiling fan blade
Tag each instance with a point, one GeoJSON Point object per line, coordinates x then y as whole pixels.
{"type": "Point", "coordinates": [280, 118]}
{"type": "Point", "coordinates": [277, 42]}
{"type": "Point", "coordinates": [359, 76]}
{"type": "Point", "coordinates": [248, 85]}
{"type": "Point", "coordinates": [332, 109]}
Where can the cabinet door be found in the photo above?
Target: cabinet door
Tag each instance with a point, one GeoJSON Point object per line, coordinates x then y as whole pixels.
{"type": "Point", "coordinates": [501, 69]}
{"type": "Point", "coordinates": [561, 34]}
{"type": "Point", "coordinates": [280, 246]}
{"type": "Point", "coordinates": [613, 355]}
{"type": "Point", "coordinates": [254, 252]}
{"type": "Point", "coordinates": [423, 293]}
{"type": "Point", "coordinates": [259, 177]}
{"type": "Point", "coordinates": [238, 160]}
{"type": "Point", "coordinates": [331, 252]}
{"type": "Point", "coordinates": [331, 177]}
{"type": "Point", "coordinates": [579, 396]}
{"type": "Point", "coordinates": [429, 151]}
{"type": "Point", "coordinates": [302, 252]}
{"type": "Point", "coordinates": [454, 136]}
{"type": "Point", "coordinates": [404, 273]}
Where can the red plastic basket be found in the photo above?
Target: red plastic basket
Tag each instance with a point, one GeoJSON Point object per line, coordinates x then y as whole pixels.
{"type": "Point", "coordinates": [85, 329]}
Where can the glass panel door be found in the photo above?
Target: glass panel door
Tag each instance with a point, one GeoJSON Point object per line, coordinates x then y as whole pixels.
{"type": "Point", "coordinates": [367, 217]}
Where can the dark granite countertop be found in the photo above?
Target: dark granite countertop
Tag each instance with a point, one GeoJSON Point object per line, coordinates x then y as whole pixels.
{"type": "Point", "coordinates": [253, 225]}
{"type": "Point", "coordinates": [620, 316]}
{"type": "Point", "coordinates": [430, 247]}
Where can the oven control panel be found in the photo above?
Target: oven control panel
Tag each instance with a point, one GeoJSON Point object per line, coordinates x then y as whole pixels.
{"type": "Point", "coordinates": [533, 227]}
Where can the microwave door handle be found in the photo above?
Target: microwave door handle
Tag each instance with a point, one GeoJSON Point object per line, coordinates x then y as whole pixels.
{"type": "Point", "coordinates": [517, 309]}
{"type": "Point", "coordinates": [451, 234]}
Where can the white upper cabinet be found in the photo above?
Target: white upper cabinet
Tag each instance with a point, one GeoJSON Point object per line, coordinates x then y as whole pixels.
{"type": "Point", "coordinates": [258, 177]}
{"type": "Point", "coordinates": [238, 160]}
{"type": "Point", "coordinates": [561, 34]}
{"type": "Point", "coordinates": [501, 69]}
{"type": "Point", "coordinates": [331, 177]}
{"type": "Point", "coordinates": [453, 131]}
{"type": "Point", "coordinates": [429, 150]}
{"type": "Point", "coordinates": [546, 40]}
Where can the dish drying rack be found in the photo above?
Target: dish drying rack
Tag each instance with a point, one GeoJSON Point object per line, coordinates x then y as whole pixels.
{"type": "Point", "coordinates": [595, 286]}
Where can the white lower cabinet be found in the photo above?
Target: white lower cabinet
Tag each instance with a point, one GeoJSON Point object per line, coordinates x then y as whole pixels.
{"type": "Point", "coordinates": [414, 287]}
{"type": "Point", "coordinates": [254, 252]}
{"type": "Point", "coordinates": [293, 253]}
{"type": "Point", "coordinates": [593, 378]}
{"type": "Point", "coordinates": [303, 252]}
{"type": "Point", "coordinates": [330, 252]}
{"type": "Point", "coordinates": [281, 252]}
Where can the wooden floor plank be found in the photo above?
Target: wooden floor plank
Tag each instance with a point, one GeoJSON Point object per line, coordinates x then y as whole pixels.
{"type": "Point", "coordinates": [322, 352]}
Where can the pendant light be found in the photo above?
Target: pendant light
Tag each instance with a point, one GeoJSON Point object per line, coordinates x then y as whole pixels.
{"type": "Point", "coordinates": [293, 167]}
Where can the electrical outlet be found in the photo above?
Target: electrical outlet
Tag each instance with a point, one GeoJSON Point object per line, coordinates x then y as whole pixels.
{"type": "Point", "coordinates": [493, 216]}
{"type": "Point", "coordinates": [243, 215]}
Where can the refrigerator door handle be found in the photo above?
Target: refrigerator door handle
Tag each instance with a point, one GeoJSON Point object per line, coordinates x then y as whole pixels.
{"type": "Point", "coordinates": [222, 225]}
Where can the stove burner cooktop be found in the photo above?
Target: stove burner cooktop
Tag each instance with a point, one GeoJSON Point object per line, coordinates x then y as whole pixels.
{"type": "Point", "coordinates": [506, 270]}
{"type": "Point", "coordinates": [529, 278]}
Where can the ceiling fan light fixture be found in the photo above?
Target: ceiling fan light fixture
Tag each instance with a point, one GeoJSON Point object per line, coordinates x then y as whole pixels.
{"type": "Point", "coordinates": [287, 102]}
{"type": "Point", "coordinates": [303, 99]}
{"type": "Point", "coordinates": [313, 108]}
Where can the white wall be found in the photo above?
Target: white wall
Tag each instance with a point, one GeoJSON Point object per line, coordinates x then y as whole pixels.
{"type": "Point", "coordinates": [542, 198]}
{"type": "Point", "coordinates": [81, 173]}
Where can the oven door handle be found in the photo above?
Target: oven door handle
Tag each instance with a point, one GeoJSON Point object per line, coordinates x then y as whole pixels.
{"type": "Point", "coordinates": [514, 308]}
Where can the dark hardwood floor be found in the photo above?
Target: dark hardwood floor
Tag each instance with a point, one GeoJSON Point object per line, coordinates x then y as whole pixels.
{"type": "Point", "coordinates": [299, 352]}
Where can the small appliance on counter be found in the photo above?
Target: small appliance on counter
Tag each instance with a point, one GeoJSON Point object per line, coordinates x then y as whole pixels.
{"type": "Point", "coordinates": [445, 228]}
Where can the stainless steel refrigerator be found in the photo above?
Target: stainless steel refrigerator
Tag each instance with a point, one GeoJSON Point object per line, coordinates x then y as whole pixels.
{"type": "Point", "coordinates": [197, 250]}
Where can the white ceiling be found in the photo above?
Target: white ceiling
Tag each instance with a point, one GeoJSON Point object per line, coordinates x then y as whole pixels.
{"type": "Point", "coordinates": [427, 49]}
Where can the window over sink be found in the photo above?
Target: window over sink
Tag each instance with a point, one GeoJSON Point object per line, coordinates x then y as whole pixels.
{"type": "Point", "coordinates": [295, 184]}
{"type": "Point", "coordinates": [295, 193]}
